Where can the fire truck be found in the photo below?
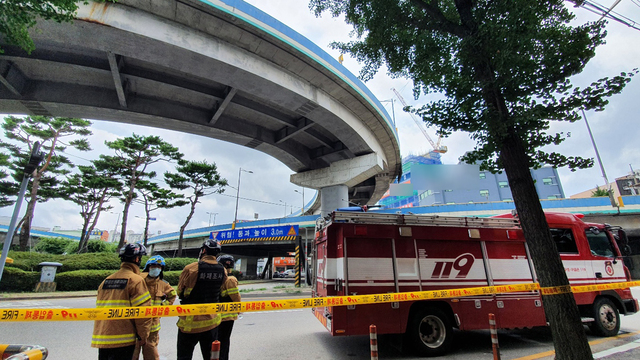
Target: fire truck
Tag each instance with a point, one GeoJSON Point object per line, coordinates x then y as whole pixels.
{"type": "Point", "coordinates": [358, 253]}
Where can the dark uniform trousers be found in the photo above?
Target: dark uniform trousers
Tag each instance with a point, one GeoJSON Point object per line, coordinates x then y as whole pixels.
{"type": "Point", "coordinates": [224, 335]}
{"type": "Point", "coordinates": [118, 353]}
{"type": "Point", "coordinates": [186, 343]}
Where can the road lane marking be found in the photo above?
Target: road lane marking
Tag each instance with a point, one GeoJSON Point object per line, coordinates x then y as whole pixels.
{"type": "Point", "coordinates": [617, 349]}
{"type": "Point", "coordinates": [591, 343]}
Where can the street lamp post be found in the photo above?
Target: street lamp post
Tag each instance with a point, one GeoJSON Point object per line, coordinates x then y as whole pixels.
{"type": "Point", "coordinates": [285, 207]}
{"type": "Point", "coordinates": [301, 213]}
{"type": "Point", "coordinates": [214, 217]}
{"type": "Point", "coordinates": [235, 218]}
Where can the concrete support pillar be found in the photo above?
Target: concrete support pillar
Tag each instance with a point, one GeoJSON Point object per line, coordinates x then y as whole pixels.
{"type": "Point", "coordinates": [333, 197]}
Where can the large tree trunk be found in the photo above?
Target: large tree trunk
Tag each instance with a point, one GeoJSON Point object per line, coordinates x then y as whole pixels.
{"type": "Point", "coordinates": [25, 231]}
{"type": "Point", "coordinates": [184, 226]}
{"type": "Point", "coordinates": [569, 338]}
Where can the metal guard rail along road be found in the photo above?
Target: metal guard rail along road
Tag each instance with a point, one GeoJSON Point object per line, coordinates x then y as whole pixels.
{"type": "Point", "coordinates": [16, 315]}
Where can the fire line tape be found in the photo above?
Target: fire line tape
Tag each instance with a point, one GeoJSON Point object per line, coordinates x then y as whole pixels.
{"type": "Point", "coordinates": [114, 313]}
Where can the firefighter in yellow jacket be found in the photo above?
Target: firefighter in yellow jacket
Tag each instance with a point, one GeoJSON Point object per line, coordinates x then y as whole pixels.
{"type": "Point", "coordinates": [228, 293]}
{"type": "Point", "coordinates": [116, 339]}
{"type": "Point", "coordinates": [161, 294]}
{"type": "Point", "coordinates": [200, 284]}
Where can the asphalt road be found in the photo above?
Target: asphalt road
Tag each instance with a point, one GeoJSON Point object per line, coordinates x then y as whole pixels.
{"type": "Point", "coordinates": [297, 334]}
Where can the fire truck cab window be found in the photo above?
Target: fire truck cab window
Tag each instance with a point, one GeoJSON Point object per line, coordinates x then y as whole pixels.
{"type": "Point", "coordinates": [599, 243]}
{"type": "Point", "coordinates": [564, 240]}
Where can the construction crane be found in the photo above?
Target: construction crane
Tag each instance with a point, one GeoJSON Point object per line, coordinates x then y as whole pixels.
{"type": "Point", "coordinates": [436, 147]}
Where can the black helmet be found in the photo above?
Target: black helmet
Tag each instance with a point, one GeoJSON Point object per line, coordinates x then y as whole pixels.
{"type": "Point", "coordinates": [226, 261]}
{"type": "Point", "coordinates": [133, 250]}
{"type": "Point", "coordinates": [213, 247]}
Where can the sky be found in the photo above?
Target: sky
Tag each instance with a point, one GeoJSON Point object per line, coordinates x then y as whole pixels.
{"type": "Point", "coordinates": [267, 190]}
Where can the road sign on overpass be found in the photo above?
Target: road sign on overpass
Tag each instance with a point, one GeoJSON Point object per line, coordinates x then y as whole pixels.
{"type": "Point", "coordinates": [271, 233]}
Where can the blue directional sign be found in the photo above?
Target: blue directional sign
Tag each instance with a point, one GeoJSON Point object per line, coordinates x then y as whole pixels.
{"type": "Point", "coordinates": [250, 234]}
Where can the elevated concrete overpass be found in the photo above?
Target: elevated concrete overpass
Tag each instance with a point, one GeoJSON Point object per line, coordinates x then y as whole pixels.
{"type": "Point", "coordinates": [216, 68]}
{"type": "Point", "coordinates": [598, 210]}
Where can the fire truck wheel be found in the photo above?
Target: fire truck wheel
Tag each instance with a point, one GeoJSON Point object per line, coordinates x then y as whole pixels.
{"type": "Point", "coordinates": [607, 317]}
{"type": "Point", "coordinates": [430, 332]}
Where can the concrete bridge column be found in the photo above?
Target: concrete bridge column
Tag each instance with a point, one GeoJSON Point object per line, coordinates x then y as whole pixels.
{"type": "Point", "coordinates": [334, 182]}
{"type": "Point", "coordinates": [333, 197]}
{"type": "Point", "coordinates": [248, 265]}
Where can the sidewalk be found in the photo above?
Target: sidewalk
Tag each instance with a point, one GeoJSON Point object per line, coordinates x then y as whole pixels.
{"type": "Point", "coordinates": [248, 290]}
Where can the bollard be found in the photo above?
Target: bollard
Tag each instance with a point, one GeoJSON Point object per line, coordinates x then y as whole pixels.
{"type": "Point", "coordinates": [373, 336]}
{"type": "Point", "coordinates": [215, 350]}
{"type": "Point", "coordinates": [494, 337]}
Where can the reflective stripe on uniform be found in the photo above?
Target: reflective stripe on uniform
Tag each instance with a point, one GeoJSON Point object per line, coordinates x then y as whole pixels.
{"type": "Point", "coordinates": [188, 324]}
{"type": "Point", "coordinates": [112, 303]}
{"type": "Point", "coordinates": [187, 291]}
{"type": "Point", "coordinates": [140, 299]}
{"type": "Point", "coordinates": [155, 327]}
{"type": "Point", "coordinates": [229, 316]}
{"type": "Point", "coordinates": [228, 292]}
{"type": "Point", "coordinates": [113, 339]}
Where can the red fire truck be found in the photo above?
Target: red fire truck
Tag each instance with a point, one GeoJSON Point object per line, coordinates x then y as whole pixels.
{"type": "Point", "coordinates": [358, 253]}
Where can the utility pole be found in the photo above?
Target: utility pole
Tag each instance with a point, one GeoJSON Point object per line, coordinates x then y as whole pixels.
{"type": "Point", "coordinates": [604, 174]}
{"type": "Point", "coordinates": [34, 161]}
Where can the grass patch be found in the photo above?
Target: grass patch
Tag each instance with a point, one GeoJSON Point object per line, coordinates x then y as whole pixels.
{"type": "Point", "coordinates": [280, 287]}
{"type": "Point", "coordinates": [250, 290]}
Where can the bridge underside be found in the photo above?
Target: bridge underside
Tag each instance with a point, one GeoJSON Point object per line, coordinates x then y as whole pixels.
{"type": "Point", "coordinates": [214, 77]}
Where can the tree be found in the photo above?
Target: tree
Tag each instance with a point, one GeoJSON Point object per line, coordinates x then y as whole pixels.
{"type": "Point", "coordinates": [18, 16]}
{"type": "Point", "coordinates": [134, 155]}
{"type": "Point", "coordinates": [599, 192]}
{"type": "Point", "coordinates": [202, 179]}
{"type": "Point", "coordinates": [8, 188]}
{"type": "Point", "coordinates": [502, 68]}
{"type": "Point", "coordinates": [91, 189]}
{"type": "Point", "coordinates": [49, 131]}
{"type": "Point", "coordinates": [153, 198]}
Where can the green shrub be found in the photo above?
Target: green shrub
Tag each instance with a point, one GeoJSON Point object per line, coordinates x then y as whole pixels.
{"type": "Point", "coordinates": [99, 246]}
{"type": "Point", "coordinates": [28, 261]}
{"type": "Point", "coordinates": [237, 274]}
{"type": "Point", "coordinates": [17, 280]}
{"type": "Point", "coordinates": [172, 277]}
{"type": "Point", "coordinates": [72, 248]}
{"type": "Point", "coordinates": [52, 245]}
{"type": "Point", "coordinates": [81, 280]}
{"type": "Point", "coordinates": [175, 264]}
{"type": "Point", "coordinates": [89, 261]}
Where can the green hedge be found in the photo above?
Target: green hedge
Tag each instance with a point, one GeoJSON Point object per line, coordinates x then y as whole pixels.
{"type": "Point", "coordinates": [50, 245]}
{"type": "Point", "coordinates": [89, 261]}
{"type": "Point", "coordinates": [18, 280]}
{"type": "Point", "coordinates": [81, 280]}
{"type": "Point", "coordinates": [172, 277]}
{"type": "Point", "coordinates": [28, 261]}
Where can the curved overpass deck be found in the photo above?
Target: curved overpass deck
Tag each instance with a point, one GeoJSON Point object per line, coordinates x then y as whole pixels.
{"type": "Point", "coordinates": [220, 68]}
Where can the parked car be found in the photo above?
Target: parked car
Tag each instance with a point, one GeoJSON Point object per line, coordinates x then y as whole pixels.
{"type": "Point", "coordinates": [289, 273]}
{"type": "Point", "coordinates": [277, 275]}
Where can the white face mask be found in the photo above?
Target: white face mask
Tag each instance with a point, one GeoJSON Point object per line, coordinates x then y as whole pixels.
{"type": "Point", "coordinates": [154, 272]}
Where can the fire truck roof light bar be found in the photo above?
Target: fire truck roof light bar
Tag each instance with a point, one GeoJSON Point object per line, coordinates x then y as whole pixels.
{"type": "Point", "coordinates": [430, 220]}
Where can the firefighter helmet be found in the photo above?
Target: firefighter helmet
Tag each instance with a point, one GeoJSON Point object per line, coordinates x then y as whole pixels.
{"type": "Point", "coordinates": [132, 250]}
{"type": "Point", "coordinates": [213, 247]}
{"type": "Point", "coordinates": [226, 261]}
{"type": "Point", "coordinates": [154, 260]}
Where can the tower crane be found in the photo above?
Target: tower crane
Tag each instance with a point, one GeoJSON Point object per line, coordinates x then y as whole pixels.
{"type": "Point", "coordinates": [436, 147]}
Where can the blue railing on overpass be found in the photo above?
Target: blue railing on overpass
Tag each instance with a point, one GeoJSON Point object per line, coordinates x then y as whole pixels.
{"type": "Point", "coordinates": [600, 205]}
{"type": "Point", "coordinates": [39, 233]}
{"type": "Point", "coordinates": [307, 221]}
{"type": "Point", "coordinates": [270, 25]}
